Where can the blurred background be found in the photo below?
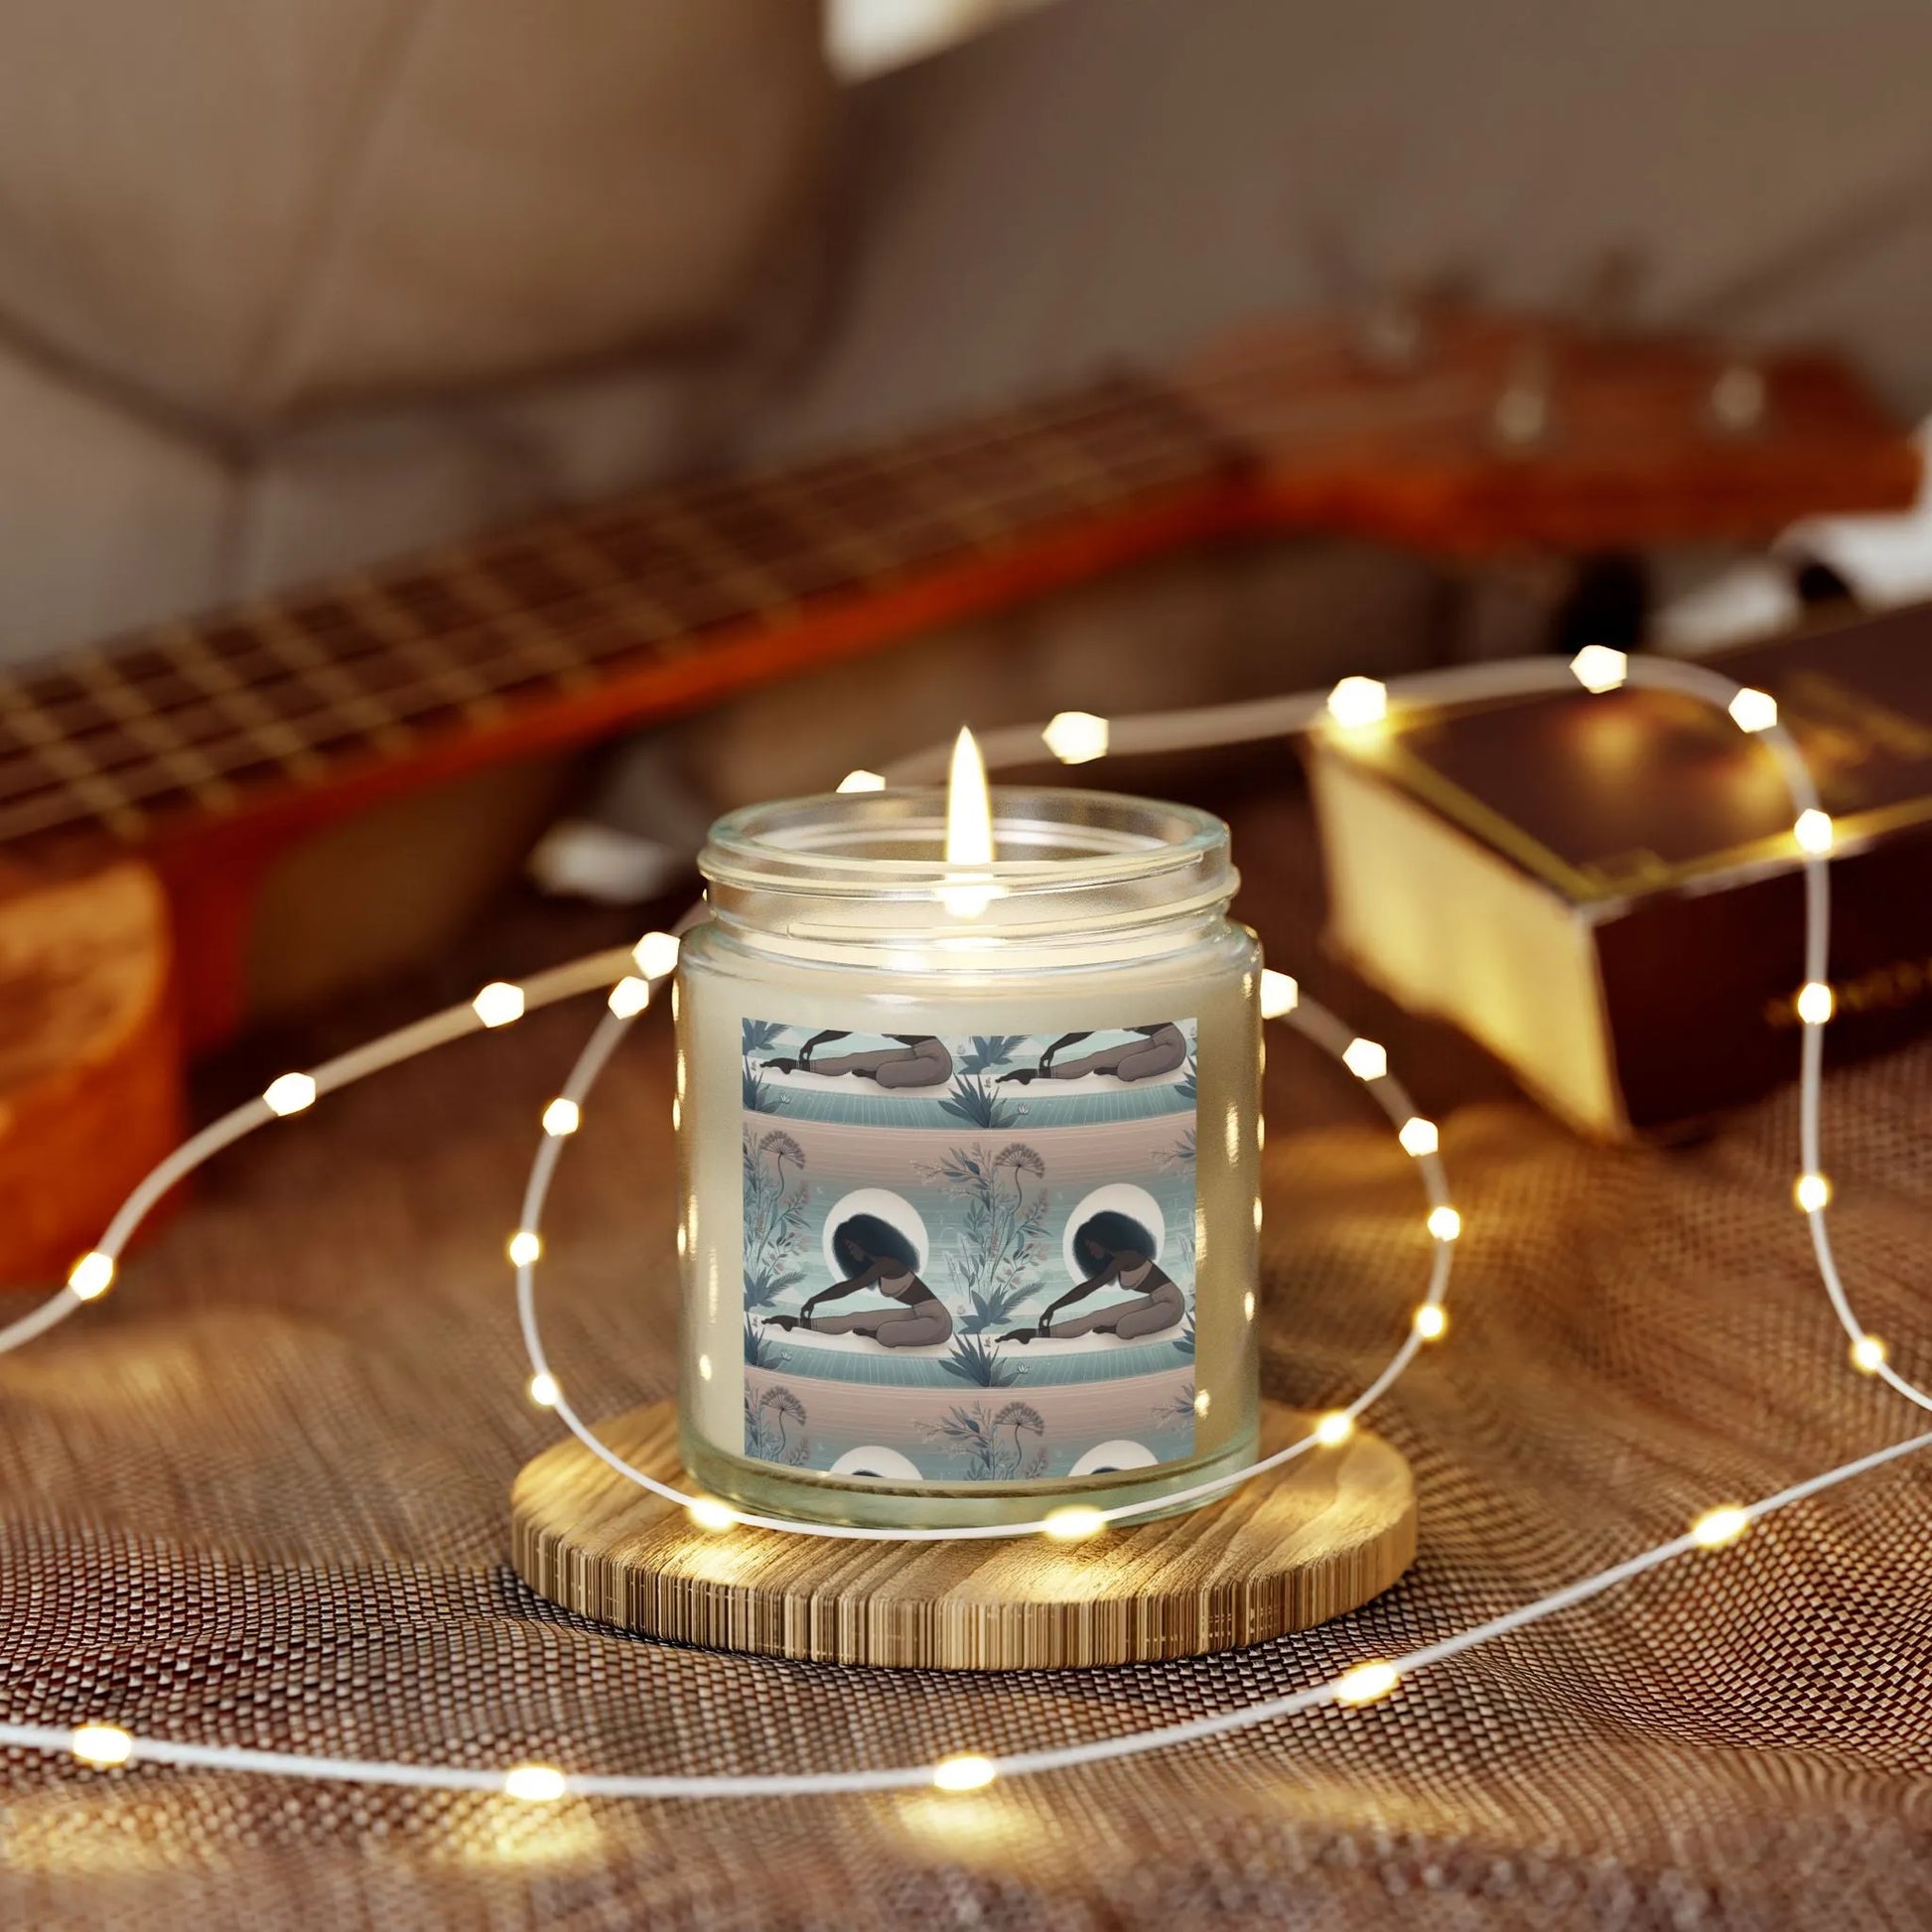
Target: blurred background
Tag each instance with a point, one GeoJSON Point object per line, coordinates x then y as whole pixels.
{"type": "Point", "coordinates": [290, 289]}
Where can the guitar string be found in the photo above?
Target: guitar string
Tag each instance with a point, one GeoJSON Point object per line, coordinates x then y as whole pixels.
{"type": "Point", "coordinates": [428, 693]}
{"type": "Point", "coordinates": [911, 456]}
{"type": "Point", "coordinates": [234, 747]}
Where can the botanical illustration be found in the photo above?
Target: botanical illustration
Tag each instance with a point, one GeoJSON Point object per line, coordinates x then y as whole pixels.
{"type": "Point", "coordinates": [777, 1197]}
{"type": "Point", "coordinates": [995, 1264]}
{"type": "Point", "coordinates": [988, 1444]}
{"type": "Point", "coordinates": [775, 1427]}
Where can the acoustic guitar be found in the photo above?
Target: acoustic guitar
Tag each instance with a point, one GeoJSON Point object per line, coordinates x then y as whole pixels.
{"type": "Point", "coordinates": [147, 784]}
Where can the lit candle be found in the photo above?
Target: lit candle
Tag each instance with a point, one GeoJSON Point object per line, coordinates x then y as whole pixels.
{"type": "Point", "coordinates": [967, 1093]}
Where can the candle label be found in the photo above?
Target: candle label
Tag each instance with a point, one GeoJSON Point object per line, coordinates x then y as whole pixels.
{"type": "Point", "coordinates": [969, 1260]}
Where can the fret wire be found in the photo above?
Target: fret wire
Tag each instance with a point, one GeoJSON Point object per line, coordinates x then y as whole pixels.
{"type": "Point", "coordinates": [1131, 406]}
{"type": "Point", "coordinates": [292, 743]}
{"type": "Point", "coordinates": [625, 593]}
{"type": "Point", "coordinates": [74, 771]}
{"type": "Point", "coordinates": [570, 527]}
{"type": "Point", "coordinates": [833, 478]}
{"type": "Point", "coordinates": [1066, 463]}
{"type": "Point", "coordinates": [152, 726]}
{"type": "Point", "coordinates": [188, 649]}
{"type": "Point", "coordinates": [265, 722]}
{"type": "Point", "coordinates": [401, 632]}
{"type": "Point", "coordinates": [865, 556]}
{"type": "Point", "coordinates": [530, 634]}
{"type": "Point", "coordinates": [293, 750]}
{"type": "Point", "coordinates": [606, 585]}
{"type": "Point", "coordinates": [325, 674]}
{"type": "Point", "coordinates": [764, 594]}
{"type": "Point", "coordinates": [928, 463]}
{"type": "Point", "coordinates": [1115, 401]}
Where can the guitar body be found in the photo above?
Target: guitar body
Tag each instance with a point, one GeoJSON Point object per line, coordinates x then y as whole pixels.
{"type": "Point", "coordinates": [301, 757]}
{"type": "Point", "coordinates": [90, 1063]}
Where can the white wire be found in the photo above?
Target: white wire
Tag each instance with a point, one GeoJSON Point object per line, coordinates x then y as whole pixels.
{"type": "Point", "coordinates": [1222, 725]}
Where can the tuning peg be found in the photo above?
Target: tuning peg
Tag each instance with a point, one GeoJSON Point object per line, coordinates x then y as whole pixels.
{"type": "Point", "coordinates": [1739, 400]}
{"type": "Point", "coordinates": [1523, 417]}
{"type": "Point", "coordinates": [1388, 321]}
{"type": "Point", "coordinates": [1391, 335]}
{"type": "Point", "coordinates": [1607, 303]}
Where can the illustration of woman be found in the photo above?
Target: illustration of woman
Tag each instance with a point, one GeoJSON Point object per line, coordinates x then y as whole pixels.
{"type": "Point", "coordinates": [918, 1060]}
{"type": "Point", "coordinates": [879, 1257]}
{"type": "Point", "coordinates": [1151, 1051]}
{"type": "Point", "coordinates": [1120, 1251]}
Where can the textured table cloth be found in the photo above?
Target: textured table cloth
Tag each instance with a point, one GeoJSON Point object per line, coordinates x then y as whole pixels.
{"type": "Point", "coordinates": [259, 1496]}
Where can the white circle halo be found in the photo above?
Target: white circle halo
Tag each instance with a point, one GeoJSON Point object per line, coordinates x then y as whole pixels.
{"type": "Point", "coordinates": [874, 1459]}
{"type": "Point", "coordinates": [894, 1210]}
{"type": "Point", "coordinates": [1123, 1198]}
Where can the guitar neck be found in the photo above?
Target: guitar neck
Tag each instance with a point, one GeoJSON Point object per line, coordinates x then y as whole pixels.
{"type": "Point", "coordinates": [293, 709]}
{"type": "Point", "coordinates": [577, 625]}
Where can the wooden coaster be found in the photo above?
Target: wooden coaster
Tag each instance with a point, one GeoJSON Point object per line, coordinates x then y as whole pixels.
{"type": "Point", "coordinates": [1281, 1553]}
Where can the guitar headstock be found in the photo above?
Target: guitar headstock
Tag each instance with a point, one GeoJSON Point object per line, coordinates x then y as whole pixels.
{"type": "Point", "coordinates": [1460, 430]}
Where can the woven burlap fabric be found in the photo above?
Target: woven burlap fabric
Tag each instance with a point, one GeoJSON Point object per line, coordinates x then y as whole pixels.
{"type": "Point", "coordinates": [259, 1495]}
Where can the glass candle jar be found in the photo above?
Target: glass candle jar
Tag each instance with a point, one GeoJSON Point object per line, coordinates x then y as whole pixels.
{"type": "Point", "coordinates": [968, 1172]}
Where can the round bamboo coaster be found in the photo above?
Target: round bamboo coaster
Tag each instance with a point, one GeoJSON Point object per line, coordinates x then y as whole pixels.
{"type": "Point", "coordinates": [1281, 1553]}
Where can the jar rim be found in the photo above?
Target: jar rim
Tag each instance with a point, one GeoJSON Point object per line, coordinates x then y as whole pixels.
{"type": "Point", "coordinates": [1047, 839]}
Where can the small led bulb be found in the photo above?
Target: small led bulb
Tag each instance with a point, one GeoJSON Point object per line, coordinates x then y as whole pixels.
{"type": "Point", "coordinates": [629, 997]}
{"type": "Point", "coordinates": [710, 1514]}
{"type": "Point", "coordinates": [499, 1004]}
{"type": "Point", "coordinates": [92, 1275]}
{"type": "Point", "coordinates": [1419, 1136]}
{"type": "Point", "coordinates": [101, 1744]}
{"type": "Point", "coordinates": [543, 1389]}
{"type": "Point", "coordinates": [1278, 994]}
{"type": "Point", "coordinates": [968, 1771]}
{"type": "Point", "coordinates": [1334, 1429]}
{"type": "Point", "coordinates": [1358, 701]}
{"type": "Point", "coordinates": [1869, 1354]}
{"type": "Point", "coordinates": [1445, 1223]}
{"type": "Point", "coordinates": [656, 954]}
{"type": "Point", "coordinates": [1365, 1683]}
{"type": "Point", "coordinates": [562, 1117]}
{"type": "Point", "coordinates": [1813, 832]}
{"type": "Point", "coordinates": [1365, 1059]}
{"type": "Point", "coordinates": [290, 1094]}
{"type": "Point", "coordinates": [1597, 667]}
{"type": "Point", "coordinates": [1754, 711]}
{"type": "Point", "coordinates": [1076, 737]}
{"type": "Point", "coordinates": [1812, 1192]}
{"type": "Point", "coordinates": [1716, 1527]}
{"type": "Point", "coordinates": [1431, 1321]}
{"type": "Point", "coordinates": [536, 1784]}
{"type": "Point", "coordinates": [1816, 1003]}
{"type": "Point", "coordinates": [525, 1245]}
{"type": "Point", "coordinates": [1070, 1525]}
{"type": "Point", "coordinates": [862, 781]}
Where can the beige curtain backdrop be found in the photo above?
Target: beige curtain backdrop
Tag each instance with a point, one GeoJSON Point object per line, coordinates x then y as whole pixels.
{"type": "Point", "coordinates": [287, 285]}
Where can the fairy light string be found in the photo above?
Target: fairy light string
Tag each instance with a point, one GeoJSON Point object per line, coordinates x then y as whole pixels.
{"type": "Point", "coordinates": [1355, 705]}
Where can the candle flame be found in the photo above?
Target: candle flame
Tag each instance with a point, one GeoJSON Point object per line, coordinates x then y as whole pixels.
{"type": "Point", "coordinates": [969, 829]}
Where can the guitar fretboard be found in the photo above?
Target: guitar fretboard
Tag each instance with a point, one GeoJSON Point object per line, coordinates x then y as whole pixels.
{"type": "Point", "coordinates": [203, 717]}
